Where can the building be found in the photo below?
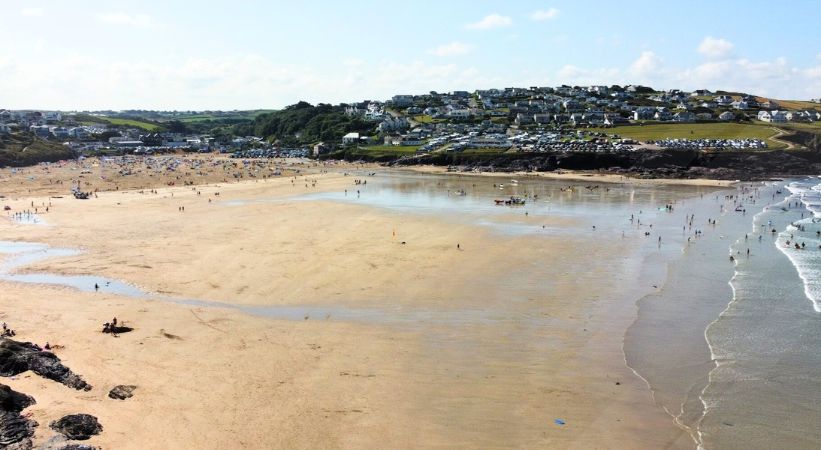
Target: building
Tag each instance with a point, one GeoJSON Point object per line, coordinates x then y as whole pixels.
{"type": "Point", "coordinates": [772, 116]}
{"type": "Point", "coordinates": [350, 138]}
{"type": "Point", "coordinates": [459, 113]}
{"type": "Point", "coordinates": [726, 115]}
{"type": "Point", "coordinates": [393, 124]}
{"type": "Point", "coordinates": [40, 131]}
{"type": "Point", "coordinates": [402, 100]}
{"type": "Point", "coordinates": [524, 119]}
{"type": "Point", "coordinates": [684, 116]}
{"type": "Point", "coordinates": [53, 116]}
{"type": "Point", "coordinates": [663, 115]}
{"type": "Point", "coordinates": [644, 113]}
{"type": "Point", "coordinates": [541, 118]}
{"type": "Point", "coordinates": [60, 132]}
{"type": "Point", "coordinates": [724, 100]}
{"type": "Point", "coordinates": [612, 120]}
{"type": "Point", "coordinates": [319, 149]}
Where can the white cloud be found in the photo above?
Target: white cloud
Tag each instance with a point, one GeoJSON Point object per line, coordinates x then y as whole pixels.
{"type": "Point", "coordinates": [454, 48]}
{"type": "Point", "coordinates": [574, 75]}
{"type": "Point", "coordinates": [33, 12]}
{"type": "Point", "coordinates": [542, 15]}
{"type": "Point", "coordinates": [715, 48]}
{"type": "Point", "coordinates": [219, 82]}
{"type": "Point", "coordinates": [490, 22]}
{"type": "Point", "coordinates": [646, 64]}
{"type": "Point", "coordinates": [120, 18]}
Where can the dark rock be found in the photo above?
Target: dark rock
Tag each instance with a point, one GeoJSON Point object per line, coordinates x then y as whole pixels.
{"type": "Point", "coordinates": [77, 426]}
{"type": "Point", "coordinates": [11, 400]}
{"type": "Point", "coordinates": [666, 163]}
{"type": "Point", "coordinates": [122, 392]}
{"type": "Point", "coordinates": [18, 357]}
{"type": "Point", "coordinates": [78, 447]}
{"type": "Point", "coordinates": [15, 430]}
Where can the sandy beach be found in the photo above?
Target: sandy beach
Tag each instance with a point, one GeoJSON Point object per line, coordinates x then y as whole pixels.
{"type": "Point", "coordinates": [434, 347]}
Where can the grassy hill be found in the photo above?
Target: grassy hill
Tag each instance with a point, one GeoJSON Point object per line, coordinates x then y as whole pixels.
{"type": "Point", "coordinates": [655, 131]}
{"type": "Point", "coordinates": [148, 126]}
{"type": "Point", "coordinates": [26, 150]}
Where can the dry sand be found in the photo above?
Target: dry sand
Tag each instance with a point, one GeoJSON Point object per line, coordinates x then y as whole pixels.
{"type": "Point", "coordinates": [219, 378]}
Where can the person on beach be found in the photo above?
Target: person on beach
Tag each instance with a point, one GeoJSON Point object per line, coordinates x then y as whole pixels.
{"type": "Point", "coordinates": [96, 287]}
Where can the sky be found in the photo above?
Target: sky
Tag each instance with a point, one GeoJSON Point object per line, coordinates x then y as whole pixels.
{"type": "Point", "coordinates": [248, 54]}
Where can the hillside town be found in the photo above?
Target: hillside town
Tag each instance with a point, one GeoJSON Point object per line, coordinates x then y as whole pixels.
{"type": "Point", "coordinates": [534, 119]}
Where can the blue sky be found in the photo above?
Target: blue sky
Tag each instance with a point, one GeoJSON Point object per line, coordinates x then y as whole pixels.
{"type": "Point", "coordinates": [266, 54]}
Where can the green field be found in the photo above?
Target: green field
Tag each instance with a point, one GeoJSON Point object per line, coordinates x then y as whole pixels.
{"type": "Point", "coordinates": [810, 127]}
{"type": "Point", "coordinates": [427, 119]}
{"type": "Point", "coordinates": [378, 151]}
{"type": "Point", "coordinates": [657, 131]}
{"type": "Point", "coordinates": [148, 126]}
{"type": "Point", "coordinates": [239, 115]}
{"type": "Point", "coordinates": [483, 151]}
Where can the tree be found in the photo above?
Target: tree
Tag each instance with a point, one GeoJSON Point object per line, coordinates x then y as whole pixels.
{"type": "Point", "coordinates": [175, 126]}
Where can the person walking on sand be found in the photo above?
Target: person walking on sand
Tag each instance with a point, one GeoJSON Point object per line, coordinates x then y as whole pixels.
{"type": "Point", "coordinates": [96, 287]}
{"type": "Point", "coordinates": [458, 247]}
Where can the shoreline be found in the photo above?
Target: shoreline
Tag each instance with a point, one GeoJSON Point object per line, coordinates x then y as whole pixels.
{"type": "Point", "coordinates": [570, 175]}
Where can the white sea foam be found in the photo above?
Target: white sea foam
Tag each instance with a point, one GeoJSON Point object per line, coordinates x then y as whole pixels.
{"type": "Point", "coordinates": [807, 260]}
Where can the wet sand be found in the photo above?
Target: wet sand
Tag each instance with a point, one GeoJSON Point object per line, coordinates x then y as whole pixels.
{"type": "Point", "coordinates": [576, 176]}
{"type": "Point", "coordinates": [523, 329]}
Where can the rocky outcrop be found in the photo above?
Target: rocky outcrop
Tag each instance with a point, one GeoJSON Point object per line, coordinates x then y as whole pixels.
{"type": "Point", "coordinates": [78, 427]}
{"type": "Point", "coordinates": [122, 392]}
{"type": "Point", "coordinates": [15, 430]}
{"type": "Point", "coordinates": [727, 165]}
{"type": "Point", "coordinates": [18, 357]}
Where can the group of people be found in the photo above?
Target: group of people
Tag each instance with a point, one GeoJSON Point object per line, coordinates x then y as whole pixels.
{"type": "Point", "coordinates": [7, 332]}
{"type": "Point", "coordinates": [111, 327]}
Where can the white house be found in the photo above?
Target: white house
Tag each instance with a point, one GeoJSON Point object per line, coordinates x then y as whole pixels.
{"type": "Point", "coordinates": [393, 124]}
{"type": "Point", "coordinates": [350, 138]}
{"type": "Point", "coordinates": [796, 116]}
{"type": "Point", "coordinates": [778, 116]}
{"type": "Point", "coordinates": [772, 116]}
{"type": "Point", "coordinates": [726, 115]}
{"type": "Point", "coordinates": [724, 100]}
{"type": "Point", "coordinates": [663, 115]}
{"type": "Point", "coordinates": [741, 104]}
{"type": "Point", "coordinates": [459, 113]}
{"type": "Point", "coordinates": [684, 116]}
